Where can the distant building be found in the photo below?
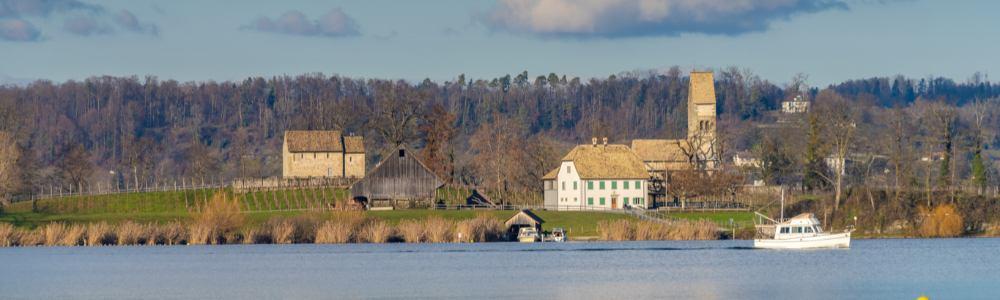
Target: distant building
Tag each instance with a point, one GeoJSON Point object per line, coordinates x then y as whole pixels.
{"type": "Point", "coordinates": [597, 176]}
{"type": "Point", "coordinates": [399, 180]}
{"type": "Point", "coordinates": [746, 160]}
{"type": "Point", "coordinates": [797, 105]}
{"type": "Point", "coordinates": [322, 153]}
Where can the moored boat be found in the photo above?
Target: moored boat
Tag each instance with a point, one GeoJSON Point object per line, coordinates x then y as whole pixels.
{"type": "Point", "coordinates": [528, 235]}
{"type": "Point", "coordinates": [799, 232]}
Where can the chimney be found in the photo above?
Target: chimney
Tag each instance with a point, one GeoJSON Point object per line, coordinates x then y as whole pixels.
{"type": "Point", "coordinates": [605, 141]}
{"type": "Point", "coordinates": [593, 141]}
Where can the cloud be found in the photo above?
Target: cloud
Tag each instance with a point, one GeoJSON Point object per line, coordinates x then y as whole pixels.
{"type": "Point", "coordinates": [630, 18]}
{"type": "Point", "coordinates": [128, 21]}
{"type": "Point", "coordinates": [18, 31]}
{"type": "Point", "coordinates": [85, 26]}
{"type": "Point", "coordinates": [43, 8]}
{"type": "Point", "coordinates": [334, 23]}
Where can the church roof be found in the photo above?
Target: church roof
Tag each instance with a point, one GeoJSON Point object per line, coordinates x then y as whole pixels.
{"type": "Point", "coordinates": [354, 144]}
{"type": "Point", "coordinates": [660, 150]}
{"type": "Point", "coordinates": [606, 162]}
{"type": "Point", "coordinates": [314, 141]}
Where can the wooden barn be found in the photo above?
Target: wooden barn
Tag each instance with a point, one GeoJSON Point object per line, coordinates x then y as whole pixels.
{"type": "Point", "coordinates": [399, 180]}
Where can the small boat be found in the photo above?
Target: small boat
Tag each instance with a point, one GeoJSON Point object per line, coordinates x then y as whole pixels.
{"type": "Point", "coordinates": [800, 232]}
{"type": "Point", "coordinates": [558, 235]}
{"type": "Point", "coordinates": [528, 235]}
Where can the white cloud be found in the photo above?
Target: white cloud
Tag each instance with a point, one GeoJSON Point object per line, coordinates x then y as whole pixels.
{"type": "Point", "coordinates": [624, 18]}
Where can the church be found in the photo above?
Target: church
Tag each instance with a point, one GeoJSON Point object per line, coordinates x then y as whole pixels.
{"type": "Point", "coordinates": [602, 176]}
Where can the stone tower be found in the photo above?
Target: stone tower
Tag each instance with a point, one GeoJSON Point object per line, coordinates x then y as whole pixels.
{"type": "Point", "coordinates": [701, 105]}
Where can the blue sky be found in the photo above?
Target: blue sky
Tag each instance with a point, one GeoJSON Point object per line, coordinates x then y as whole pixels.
{"type": "Point", "coordinates": [828, 40]}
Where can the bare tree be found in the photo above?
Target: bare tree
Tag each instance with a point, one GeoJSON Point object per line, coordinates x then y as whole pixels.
{"type": "Point", "coordinates": [838, 126]}
{"type": "Point", "coordinates": [9, 177]}
{"type": "Point", "coordinates": [499, 151]}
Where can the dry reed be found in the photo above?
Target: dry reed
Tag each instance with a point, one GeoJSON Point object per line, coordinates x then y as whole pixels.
{"type": "Point", "coordinates": [375, 231]}
{"type": "Point", "coordinates": [53, 233]}
{"type": "Point", "coordinates": [73, 235]}
{"type": "Point", "coordinates": [99, 234]}
{"type": "Point", "coordinates": [173, 233]}
{"type": "Point", "coordinates": [438, 230]}
{"type": "Point", "coordinates": [282, 232]}
{"type": "Point", "coordinates": [130, 233]}
{"type": "Point", "coordinates": [28, 237]}
{"type": "Point", "coordinates": [412, 231]}
{"type": "Point", "coordinates": [340, 229]}
{"type": "Point", "coordinates": [482, 228]}
{"type": "Point", "coordinates": [219, 222]}
{"type": "Point", "coordinates": [628, 230]}
{"type": "Point", "coordinates": [8, 235]}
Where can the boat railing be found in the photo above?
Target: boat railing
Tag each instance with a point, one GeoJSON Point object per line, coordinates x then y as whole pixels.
{"type": "Point", "coordinates": [764, 225]}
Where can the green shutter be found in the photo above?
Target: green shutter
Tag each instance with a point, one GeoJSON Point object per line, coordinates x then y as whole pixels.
{"type": "Point", "coordinates": [602, 200]}
{"type": "Point", "coordinates": [574, 185]}
{"type": "Point", "coordinates": [590, 200]}
{"type": "Point", "coordinates": [638, 185]}
{"type": "Point", "coordinates": [614, 185]}
{"type": "Point", "coordinates": [590, 185]}
{"type": "Point", "coordinates": [625, 184]}
{"type": "Point", "coordinates": [625, 200]}
{"type": "Point", "coordinates": [602, 184]}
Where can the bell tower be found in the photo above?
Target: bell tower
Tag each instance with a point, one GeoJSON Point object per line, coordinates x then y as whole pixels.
{"type": "Point", "coordinates": [701, 105]}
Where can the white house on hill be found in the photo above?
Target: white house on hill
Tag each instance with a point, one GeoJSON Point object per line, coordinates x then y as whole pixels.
{"type": "Point", "coordinates": [597, 176]}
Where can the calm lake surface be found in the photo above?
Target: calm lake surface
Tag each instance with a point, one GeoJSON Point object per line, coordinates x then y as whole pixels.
{"type": "Point", "coordinates": [877, 269]}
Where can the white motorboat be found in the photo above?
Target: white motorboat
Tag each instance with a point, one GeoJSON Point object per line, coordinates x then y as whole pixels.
{"type": "Point", "coordinates": [528, 235]}
{"type": "Point", "coordinates": [799, 232]}
{"type": "Point", "coordinates": [558, 235]}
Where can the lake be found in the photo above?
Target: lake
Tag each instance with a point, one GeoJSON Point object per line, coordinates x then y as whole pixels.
{"type": "Point", "coordinates": [876, 269]}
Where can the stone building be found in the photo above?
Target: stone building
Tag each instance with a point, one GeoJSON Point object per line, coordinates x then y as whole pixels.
{"type": "Point", "coordinates": [322, 153]}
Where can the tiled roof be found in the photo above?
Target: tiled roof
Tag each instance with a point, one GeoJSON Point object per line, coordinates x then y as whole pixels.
{"type": "Point", "coordinates": [314, 141]}
{"type": "Point", "coordinates": [607, 162]}
{"type": "Point", "coordinates": [354, 144]}
{"type": "Point", "coordinates": [659, 150]}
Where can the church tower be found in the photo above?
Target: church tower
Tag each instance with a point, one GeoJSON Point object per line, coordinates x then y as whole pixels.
{"type": "Point", "coordinates": [701, 105]}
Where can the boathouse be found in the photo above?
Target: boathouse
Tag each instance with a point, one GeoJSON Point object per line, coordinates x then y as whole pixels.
{"type": "Point", "coordinates": [523, 218]}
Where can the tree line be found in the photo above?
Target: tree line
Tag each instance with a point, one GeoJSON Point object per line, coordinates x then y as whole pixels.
{"type": "Point", "coordinates": [503, 133]}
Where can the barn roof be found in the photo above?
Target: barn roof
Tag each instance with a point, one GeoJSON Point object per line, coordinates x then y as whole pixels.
{"type": "Point", "coordinates": [659, 150]}
{"type": "Point", "coordinates": [607, 162]}
{"type": "Point", "coordinates": [314, 141]}
{"type": "Point", "coordinates": [524, 217]}
{"type": "Point", "coordinates": [354, 144]}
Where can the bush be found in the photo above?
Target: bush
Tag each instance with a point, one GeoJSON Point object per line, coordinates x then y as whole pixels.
{"type": "Point", "coordinates": [943, 221]}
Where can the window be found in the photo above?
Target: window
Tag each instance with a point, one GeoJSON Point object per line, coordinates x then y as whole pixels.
{"type": "Point", "coordinates": [590, 185]}
{"type": "Point", "coordinates": [796, 229]}
{"type": "Point", "coordinates": [602, 184]}
{"type": "Point", "coordinates": [625, 184]}
{"type": "Point", "coordinates": [602, 200]}
{"type": "Point", "coordinates": [574, 199]}
{"type": "Point", "coordinates": [638, 185]}
{"type": "Point", "coordinates": [625, 200]}
{"type": "Point", "coordinates": [574, 185]}
{"type": "Point", "coordinates": [809, 230]}
{"type": "Point", "coordinates": [349, 158]}
{"type": "Point", "coordinates": [569, 169]}
{"type": "Point", "coordinates": [314, 154]}
{"type": "Point", "coordinates": [564, 185]}
{"type": "Point", "coordinates": [402, 153]}
{"type": "Point", "coordinates": [590, 200]}
{"type": "Point", "coordinates": [784, 229]}
{"type": "Point", "coordinates": [614, 185]}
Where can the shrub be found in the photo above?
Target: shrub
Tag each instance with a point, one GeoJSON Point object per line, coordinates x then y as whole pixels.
{"type": "Point", "coordinates": [943, 221]}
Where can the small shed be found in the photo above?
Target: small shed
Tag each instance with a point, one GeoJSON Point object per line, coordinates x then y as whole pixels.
{"type": "Point", "coordinates": [400, 179]}
{"type": "Point", "coordinates": [477, 199]}
{"type": "Point", "coordinates": [523, 218]}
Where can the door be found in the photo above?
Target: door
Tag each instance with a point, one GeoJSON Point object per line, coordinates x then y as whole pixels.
{"type": "Point", "coordinates": [614, 202]}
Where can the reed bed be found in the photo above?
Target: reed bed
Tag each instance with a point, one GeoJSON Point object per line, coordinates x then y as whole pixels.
{"type": "Point", "coordinates": [219, 224]}
{"type": "Point", "coordinates": [629, 230]}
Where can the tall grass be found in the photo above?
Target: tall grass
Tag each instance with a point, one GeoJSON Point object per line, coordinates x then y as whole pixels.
{"type": "Point", "coordinates": [412, 231]}
{"type": "Point", "coordinates": [438, 230]}
{"type": "Point", "coordinates": [483, 228]}
{"type": "Point", "coordinates": [130, 233]}
{"type": "Point", "coordinates": [218, 222]}
{"type": "Point", "coordinates": [340, 229]}
{"type": "Point", "coordinates": [99, 234]}
{"type": "Point", "coordinates": [629, 230]}
{"type": "Point", "coordinates": [8, 235]}
{"type": "Point", "coordinates": [375, 231]}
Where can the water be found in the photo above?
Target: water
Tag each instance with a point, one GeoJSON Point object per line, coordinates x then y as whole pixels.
{"type": "Point", "coordinates": [877, 269]}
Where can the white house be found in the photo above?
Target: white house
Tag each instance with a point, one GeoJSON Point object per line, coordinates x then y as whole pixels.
{"type": "Point", "coordinates": [596, 177]}
{"type": "Point", "coordinates": [795, 106]}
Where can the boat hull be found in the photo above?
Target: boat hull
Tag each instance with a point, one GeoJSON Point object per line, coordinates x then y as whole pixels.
{"type": "Point", "coordinates": [838, 240]}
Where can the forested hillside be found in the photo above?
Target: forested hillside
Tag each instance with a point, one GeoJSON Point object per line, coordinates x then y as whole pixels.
{"type": "Point", "coordinates": [116, 129]}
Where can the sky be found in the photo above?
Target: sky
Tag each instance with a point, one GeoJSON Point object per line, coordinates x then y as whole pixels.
{"type": "Point", "coordinates": [828, 40]}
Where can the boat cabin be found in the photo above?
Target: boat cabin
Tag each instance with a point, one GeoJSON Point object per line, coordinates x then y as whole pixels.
{"type": "Point", "coordinates": [802, 225]}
